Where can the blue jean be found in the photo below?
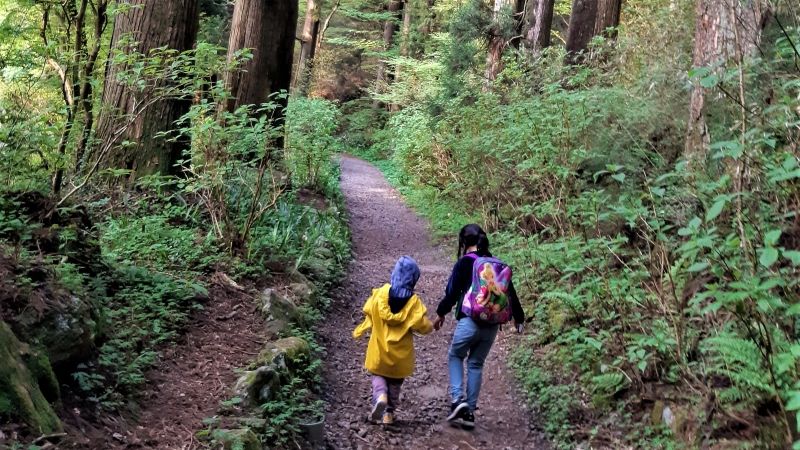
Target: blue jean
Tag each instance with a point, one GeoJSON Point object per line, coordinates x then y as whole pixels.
{"type": "Point", "coordinates": [472, 342]}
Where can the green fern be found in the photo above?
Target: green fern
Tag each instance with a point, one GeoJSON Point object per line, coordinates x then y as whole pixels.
{"type": "Point", "coordinates": [740, 361]}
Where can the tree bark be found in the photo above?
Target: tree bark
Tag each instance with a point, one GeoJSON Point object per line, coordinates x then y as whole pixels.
{"type": "Point", "coordinates": [539, 23]}
{"type": "Point", "coordinates": [151, 24]}
{"type": "Point", "coordinates": [581, 29]}
{"type": "Point", "coordinates": [75, 16]}
{"type": "Point", "coordinates": [406, 29]}
{"type": "Point", "coordinates": [308, 46]}
{"type": "Point", "coordinates": [87, 90]}
{"type": "Point", "coordinates": [325, 25]}
{"type": "Point", "coordinates": [430, 20]}
{"type": "Point", "coordinates": [268, 28]}
{"type": "Point", "coordinates": [497, 40]}
{"type": "Point", "coordinates": [718, 22]}
{"type": "Point", "coordinates": [390, 27]}
{"type": "Point", "coordinates": [608, 14]}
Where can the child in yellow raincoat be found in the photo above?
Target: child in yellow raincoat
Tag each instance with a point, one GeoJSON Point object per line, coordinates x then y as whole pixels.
{"type": "Point", "coordinates": [393, 312]}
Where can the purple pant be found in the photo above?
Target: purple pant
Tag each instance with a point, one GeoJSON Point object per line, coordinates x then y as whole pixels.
{"type": "Point", "coordinates": [388, 386]}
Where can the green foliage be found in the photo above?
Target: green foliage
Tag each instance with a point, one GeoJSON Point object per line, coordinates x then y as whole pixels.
{"type": "Point", "coordinates": [636, 270]}
{"type": "Point", "coordinates": [154, 242]}
{"type": "Point", "coordinates": [555, 400]}
{"type": "Point", "coordinates": [147, 311]}
{"type": "Point", "coordinates": [310, 129]}
{"type": "Point", "coordinates": [294, 403]}
{"type": "Point", "coordinates": [316, 241]}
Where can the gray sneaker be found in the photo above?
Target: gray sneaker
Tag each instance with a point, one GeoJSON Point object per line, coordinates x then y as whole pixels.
{"type": "Point", "coordinates": [379, 408]}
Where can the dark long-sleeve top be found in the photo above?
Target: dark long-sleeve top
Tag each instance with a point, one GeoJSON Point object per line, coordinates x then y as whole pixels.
{"type": "Point", "coordinates": [461, 280]}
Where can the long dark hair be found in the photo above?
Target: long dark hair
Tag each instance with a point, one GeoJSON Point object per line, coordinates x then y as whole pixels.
{"type": "Point", "coordinates": [470, 235]}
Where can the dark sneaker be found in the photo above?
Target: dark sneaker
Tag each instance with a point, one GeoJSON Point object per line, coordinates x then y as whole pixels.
{"type": "Point", "coordinates": [467, 419]}
{"type": "Point", "coordinates": [456, 409]}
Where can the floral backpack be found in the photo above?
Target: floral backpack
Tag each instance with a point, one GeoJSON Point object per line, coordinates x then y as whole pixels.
{"type": "Point", "coordinates": [487, 298]}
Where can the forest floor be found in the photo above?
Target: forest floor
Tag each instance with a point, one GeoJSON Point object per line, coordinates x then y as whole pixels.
{"type": "Point", "coordinates": [383, 228]}
{"type": "Point", "coordinates": [186, 386]}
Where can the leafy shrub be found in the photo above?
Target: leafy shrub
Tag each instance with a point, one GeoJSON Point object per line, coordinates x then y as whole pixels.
{"type": "Point", "coordinates": [636, 269]}
{"type": "Point", "coordinates": [310, 129]}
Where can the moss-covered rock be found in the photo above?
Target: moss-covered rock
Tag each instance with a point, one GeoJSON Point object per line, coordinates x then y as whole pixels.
{"type": "Point", "coordinates": [318, 269]}
{"type": "Point", "coordinates": [39, 365]}
{"type": "Point", "coordinates": [21, 397]}
{"type": "Point", "coordinates": [301, 293]}
{"type": "Point", "coordinates": [259, 386]}
{"type": "Point", "coordinates": [287, 349]}
{"type": "Point", "coordinates": [67, 330]}
{"type": "Point", "coordinates": [278, 309]}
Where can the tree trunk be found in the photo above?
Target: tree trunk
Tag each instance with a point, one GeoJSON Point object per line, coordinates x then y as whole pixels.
{"type": "Point", "coordinates": [497, 41]}
{"type": "Point", "coordinates": [308, 46]}
{"type": "Point", "coordinates": [325, 25]}
{"type": "Point", "coordinates": [406, 30]}
{"type": "Point", "coordinates": [539, 23]}
{"type": "Point", "coordinates": [87, 90]}
{"type": "Point", "coordinates": [581, 29]}
{"type": "Point", "coordinates": [394, 7]}
{"type": "Point", "coordinates": [75, 17]}
{"type": "Point", "coordinates": [151, 24]}
{"type": "Point", "coordinates": [430, 20]}
{"type": "Point", "coordinates": [719, 25]}
{"type": "Point", "coordinates": [608, 12]}
{"type": "Point", "coordinates": [268, 28]}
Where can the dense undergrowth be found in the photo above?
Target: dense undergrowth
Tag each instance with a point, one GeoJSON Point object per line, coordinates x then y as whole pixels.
{"type": "Point", "coordinates": [117, 275]}
{"type": "Point", "coordinates": [663, 297]}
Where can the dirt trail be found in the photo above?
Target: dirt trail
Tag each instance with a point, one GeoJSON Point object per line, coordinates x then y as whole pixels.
{"type": "Point", "coordinates": [383, 229]}
{"type": "Point", "coordinates": [186, 386]}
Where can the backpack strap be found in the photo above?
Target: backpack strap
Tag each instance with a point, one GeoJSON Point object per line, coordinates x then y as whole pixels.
{"type": "Point", "coordinates": [457, 309]}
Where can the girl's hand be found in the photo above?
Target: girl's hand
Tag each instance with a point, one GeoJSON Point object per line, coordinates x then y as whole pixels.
{"type": "Point", "coordinates": [437, 324]}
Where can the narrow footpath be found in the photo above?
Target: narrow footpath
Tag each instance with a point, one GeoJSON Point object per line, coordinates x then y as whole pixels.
{"type": "Point", "coordinates": [384, 228]}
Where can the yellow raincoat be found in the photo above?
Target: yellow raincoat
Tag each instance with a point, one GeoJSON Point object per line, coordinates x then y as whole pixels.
{"type": "Point", "coordinates": [390, 352]}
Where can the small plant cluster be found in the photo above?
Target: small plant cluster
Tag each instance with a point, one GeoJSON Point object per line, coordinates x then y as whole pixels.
{"type": "Point", "coordinates": [663, 291]}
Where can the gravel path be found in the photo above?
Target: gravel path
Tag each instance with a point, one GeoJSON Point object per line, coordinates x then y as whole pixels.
{"type": "Point", "coordinates": [384, 228]}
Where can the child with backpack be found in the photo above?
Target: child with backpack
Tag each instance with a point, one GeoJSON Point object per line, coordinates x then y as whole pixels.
{"type": "Point", "coordinates": [393, 312]}
{"type": "Point", "coordinates": [481, 290]}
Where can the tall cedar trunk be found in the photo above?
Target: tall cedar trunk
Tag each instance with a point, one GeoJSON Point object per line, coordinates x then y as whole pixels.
{"type": "Point", "coordinates": [497, 40]}
{"type": "Point", "coordinates": [308, 46]}
{"type": "Point", "coordinates": [581, 29]}
{"type": "Point", "coordinates": [406, 29]}
{"type": "Point", "coordinates": [539, 23]}
{"type": "Point", "coordinates": [151, 24]}
{"type": "Point", "coordinates": [268, 28]}
{"type": "Point", "coordinates": [608, 12]}
{"type": "Point", "coordinates": [715, 44]}
{"type": "Point", "coordinates": [394, 7]}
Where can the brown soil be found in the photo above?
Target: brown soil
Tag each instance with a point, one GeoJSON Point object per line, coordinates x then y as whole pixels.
{"type": "Point", "coordinates": [188, 384]}
{"type": "Point", "coordinates": [383, 229]}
